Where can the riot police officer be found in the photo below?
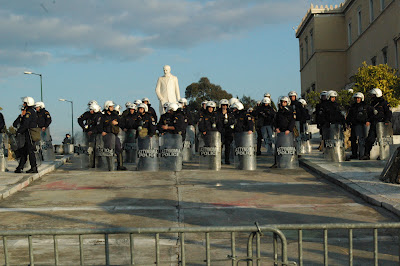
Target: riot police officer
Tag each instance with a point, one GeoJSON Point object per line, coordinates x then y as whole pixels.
{"type": "Point", "coordinates": [298, 110]}
{"type": "Point", "coordinates": [128, 120]}
{"type": "Point", "coordinates": [149, 108]}
{"type": "Point", "coordinates": [265, 115]}
{"type": "Point", "coordinates": [272, 102]}
{"type": "Point", "coordinates": [379, 112]}
{"type": "Point", "coordinates": [357, 116]}
{"type": "Point", "coordinates": [244, 121]}
{"type": "Point", "coordinates": [284, 119]}
{"type": "Point", "coordinates": [186, 111]}
{"type": "Point", "coordinates": [210, 121]}
{"type": "Point", "coordinates": [333, 111]}
{"type": "Point", "coordinates": [228, 125]}
{"type": "Point", "coordinates": [44, 117]}
{"type": "Point", "coordinates": [25, 122]}
{"type": "Point", "coordinates": [85, 119]}
{"type": "Point", "coordinates": [144, 122]}
{"type": "Point", "coordinates": [172, 122]}
{"type": "Point", "coordinates": [126, 111]}
{"type": "Point", "coordinates": [110, 126]}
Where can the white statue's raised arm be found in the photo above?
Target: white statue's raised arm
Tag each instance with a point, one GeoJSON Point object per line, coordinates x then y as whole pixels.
{"type": "Point", "coordinates": [167, 88]}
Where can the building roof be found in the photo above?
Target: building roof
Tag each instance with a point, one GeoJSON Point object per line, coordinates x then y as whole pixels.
{"type": "Point", "coordinates": [321, 10]}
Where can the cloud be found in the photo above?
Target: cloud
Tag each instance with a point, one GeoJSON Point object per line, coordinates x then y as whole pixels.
{"type": "Point", "coordinates": [125, 30]}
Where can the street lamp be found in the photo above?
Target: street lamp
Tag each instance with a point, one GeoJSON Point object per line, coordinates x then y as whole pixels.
{"type": "Point", "coordinates": [72, 116]}
{"type": "Point", "coordinates": [41, 87]}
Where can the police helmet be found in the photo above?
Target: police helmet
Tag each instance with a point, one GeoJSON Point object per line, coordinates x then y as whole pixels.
{"type": "Point", "coordinates": [39, 104]}
{"type": "Point", "coordinates": [144, 106]}
{"type": "Point", "coordinates": [377, 92]}
{"type": "Point", "coordinates": [350, 90]}
{"type": "Point", "coordinates": [250, 110]}
{"type": "Point", "coordinates": [204, 102]}
{"type": "Point", "coordinates": [107, 104]}
{"type": "Point", "coordinates": [266, 100]}
{"type": "Point", "coordinates": [292, 93]}
{"type": "Point", "coordinates": [95, 107]}
{"type": "Point", "coordinates": [132, 106]}
{"type": "Point", "coordinates": [332, 94]}
{"type": "Point", "coordinates": [284, 99]}
{"type": "Point", "coordinates": [211, 104]}
{"type": "Point", "coordinates": [183, 101]}
{"type": "Point", "coordinates": [127, 104]}
{"type": "Point", "coordinates": [173, 107]}
{"type": "Point", "coordinates": [237, 105]}
{"type": "Point", "coordinates": [180, 106]}
{"type": "Point", "coordinates": [165, 106]}
{"type": "Point", "coordinates": [233, 100]}
{"type": "Point", "coordinates": [324, 93]}
{"type": "Point", "coordinates": [92, 102]}
{"type": "Point", "coordinates": [145, 99]}
{"type": "Point", "coordinates": [303, 102]}
{"type": "Point", "coordinates": [223, 102]}
{"type": "Point", "coordinates": [267, 95]}
{"type": "Point", "coordinates": [118, 109]}
{"type": "Point", "coordinates": [359, 95]}
{"type": "Point", "coordinates": [137, 102]}
{"type": "Point", "coordinates": [28, 100]}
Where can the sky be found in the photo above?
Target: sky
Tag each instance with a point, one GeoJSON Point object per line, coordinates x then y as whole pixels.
{"type": "Point", "coordinates": [115, 50]}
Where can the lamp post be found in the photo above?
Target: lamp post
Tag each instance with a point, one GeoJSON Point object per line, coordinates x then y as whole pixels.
{"type": "Point", "coordinates": [41, 86]}
{"type": "Point", "coordinates": [72, 116]}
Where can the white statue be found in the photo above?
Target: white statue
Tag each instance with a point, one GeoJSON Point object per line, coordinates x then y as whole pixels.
{"type": "Point", "coordinates": [167, 88]}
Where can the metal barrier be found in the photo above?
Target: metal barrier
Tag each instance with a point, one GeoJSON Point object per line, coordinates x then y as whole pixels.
{"type": "Point", "coordinates": [254, 255]}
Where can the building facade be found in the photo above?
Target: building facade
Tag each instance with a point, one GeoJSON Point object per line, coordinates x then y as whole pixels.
{"type": "Point", "coordinates": [335, 41]}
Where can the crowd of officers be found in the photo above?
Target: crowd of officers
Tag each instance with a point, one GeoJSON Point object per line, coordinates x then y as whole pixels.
{"type": "Point", "coordinates": [228, 117]}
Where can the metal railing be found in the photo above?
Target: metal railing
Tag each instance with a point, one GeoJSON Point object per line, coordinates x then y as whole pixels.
{"type": "Point", "coordinates": [252, 250]}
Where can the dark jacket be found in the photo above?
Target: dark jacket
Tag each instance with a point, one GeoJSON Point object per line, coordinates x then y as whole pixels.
{"type": "Point", "coordinates": [106, 122]}
{"type": "Point", "coordinates": [358, 114]}
{"type": "Point", "coordinates": [2, 123]}
{"type": "Point", "coordinates": [29, 120]}
{"type": "Point", "coordinates": [243, 121]}
{"type": "Point", "coordinates": [210, 122]}
{"type": "Point", "coordinates": [176, 119]}
{"type": "Point", "coordinates": [333, 113]}
{"type": "Point", "coordinates": [188, 116]}
{"type": "Point", "coordinates": [298, 110]}
{"type": "Point", "coordinates": [128, 120]}
{"type": "Point", "coordinates": [152, 112]}
{"type": "Point", "coordinates": [84, 120]}
{"type": "Point", "coordinates": [145, 120]}
{"type": "Point", "coordinates": [228, 122]}
{"type": "Point", "coordinates": [44, 118]}
{"type": "Point", "coordinates": [380, 111]}
{"type": "Point", "coordinates": [265, 115]}
{"type": "Point", "coordinates": [319, 113]}
{"type": "Point", "coordinates": [284, 119]}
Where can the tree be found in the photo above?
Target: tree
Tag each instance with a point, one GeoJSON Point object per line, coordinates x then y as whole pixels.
{"type": "Point", "coordinates": [248, 102]}
{"type": "Point", "coordinates": [204, 90]}
{"type": "Point", "coordinates": [312, 98]}
{"type": "Point", "coordinates": [382, 77]}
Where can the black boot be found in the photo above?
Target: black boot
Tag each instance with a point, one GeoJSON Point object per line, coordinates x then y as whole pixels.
{"type": "Point", "coordinates": [32, 170]}
{"type": "Point", "coordinates": [18, 170]}
{"type": "Point", "coordinates": [120, 166]}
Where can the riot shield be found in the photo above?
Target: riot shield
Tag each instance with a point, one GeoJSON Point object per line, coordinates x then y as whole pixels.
{"type": "Point", "coordinates": [81, 149]}
{"type": "Point", "coordinates": [68, 148]}
{"type": "Point", "coordinates": [384, 136]}
{"type": "Point", "coordinates": [147, 154]}
{"type": "Point", "coordinates": [130, 146]}
{"type": "Point", "coordinates": [268, 137]}
{"type": "Point", "coordinates": [391, 170]}
{"type": "Point", "coordinates": [210, 153]}
{"type": "Point", "coordinates": [189, 144]}
{"type": "Point", "coordinates": [3, 159]}
{"type": "Point", "coordinates": [334, 144]}
{"type": "Point", "coordinates": [46, 146]}
{"type": "Point", "coordinates": [303, 140]}
{"type": "Point", "coordinates": [361, 132]}
{"type": "Point", "coordinates": [105, 152]}
{"type": "Point", "coordinates": [286, 154]}
{"type": "Point", "coordinates": [38, 153]}
{"type": "Point", "coordinates": [171, 152]}
{"type": "Point", "coordinates": [245, 151]}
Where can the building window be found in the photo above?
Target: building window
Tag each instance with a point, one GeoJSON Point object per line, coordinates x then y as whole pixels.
{"type": "Point", "coordinates": [306, 44]}
{"type": "Point", "coordinates": [373, 61]}
{"type": "Point", "coordinates": [382, 4]}
{"type": "Point", "coordinates": [371, 10]}
{"type": "Point", "coordinates": [349, 33]}
{"type": "Point", "coordinates": [384, 55]}
{"type": "Point", "coordinates": [301, 56]}
{"type": "Point", "coordinates": [359, 22]}
{"type": "Point", "coordinates": [312, 41]}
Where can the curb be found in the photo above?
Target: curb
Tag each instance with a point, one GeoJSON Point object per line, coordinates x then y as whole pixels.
{"type": "Point", "coordinates": [27, 180]}
{"type": "Point", "coordinates": [352, 187]}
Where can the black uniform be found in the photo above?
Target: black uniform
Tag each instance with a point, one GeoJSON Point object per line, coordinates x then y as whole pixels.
{"type": "Point", "coordinates": [379, 112]}
{"type": "Point", "coordinates": [210, 122]}
{"type": "Point", "coordinates": [265, 116]}
{"type": "Point", "coordinates": [228, 123]}
{"type": "Point", "coordinates": [106, 125]}
{"type": "Point", "coordinates": [358, 115]}
{"type": "Point", "coordinates": [284, 119]}
{"type": "Point", "coordinates": [333, 114]}
{"type": "Point", "coordinates": [2, 124]}
{"type": "Point", "coordinates": [176, 120]}
{"type": "Point", "coordinates": [244, 121]}
{"type": "Point", "coordinates": [319, 114]}
{"type": "Point", "coordinates": [24, 123]}
{"type": "Point", "coordinates": [299, 113]}
{"type": "Point", "coordinates": [84, 120]}
{"type": "Point", "coordinates": [144, 121]}
{"type": "Point", "coordinates": [188, 116]}
{"type": "Point", "coordinates": [44, 118]}
{"type": "Point", "coordinates": [152, 112]}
